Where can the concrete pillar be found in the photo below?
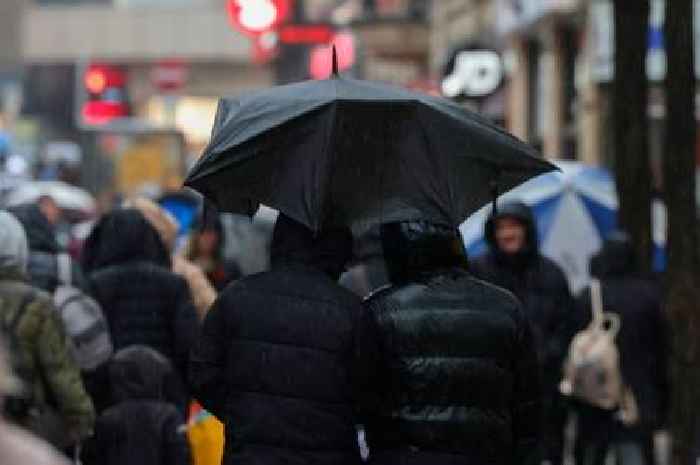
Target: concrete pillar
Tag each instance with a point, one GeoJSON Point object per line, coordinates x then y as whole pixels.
{"type": "Point", "coordinates": [517, 92]}
{"type": "Point", "coordinates": [552, 139]}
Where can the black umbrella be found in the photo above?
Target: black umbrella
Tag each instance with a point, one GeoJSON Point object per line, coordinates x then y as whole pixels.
{"type": "Point", "coordinates": [357, 151]}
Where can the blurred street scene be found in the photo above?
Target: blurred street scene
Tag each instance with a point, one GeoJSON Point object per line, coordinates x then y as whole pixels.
{"type": "Point", "coordinates": [107, 105]}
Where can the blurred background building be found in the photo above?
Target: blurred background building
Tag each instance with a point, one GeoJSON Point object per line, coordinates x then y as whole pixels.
{"type": "Point", "coordinates": [123, 92]}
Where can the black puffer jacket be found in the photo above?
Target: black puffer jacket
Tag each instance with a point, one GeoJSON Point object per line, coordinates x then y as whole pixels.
{"type": "Point", "coordinates": [541, 286]}
{"type": "Point", "coordinates": [461, 368]}
{"type": "Point", "coordinates": [141, 428]}
{"type": "Point", "coordinates": [143, 301]}
{"type": "Point", "coordinates": [43, 265]}
{"type": "Point", "coordinates": [284, 356]}
{"type": "Point", "coordinates": [643, 337]}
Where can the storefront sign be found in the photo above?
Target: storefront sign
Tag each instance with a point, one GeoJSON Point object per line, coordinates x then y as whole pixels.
{"type": "Point", "coordinates": [472, 73]}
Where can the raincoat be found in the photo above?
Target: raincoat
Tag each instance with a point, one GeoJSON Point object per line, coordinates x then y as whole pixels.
{"type": "Point", "coordinates": [459, 381]}
{"type": "Point", "coordinates": [285, 356]}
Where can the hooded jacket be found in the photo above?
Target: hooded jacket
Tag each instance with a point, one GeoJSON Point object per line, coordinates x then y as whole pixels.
{"type": "Point", "coordinates": [43, 265]}
{"type": "Point", "coordinates": [539, 284]}
{"type": "Point", "coordinates": [45, 367]}
{"type": "Point", "coordinates": [284, 356]}
{"type": "Point", "coordinates": [203, 293]}
{"type": "Point", "coordinates": [143, 301]}
{"type": "Point", "coordinates": [460, 384]}
{"type": "Point", "coordinates": [643, 337]}
{"type": "Point", "coordinates": [141, 428]}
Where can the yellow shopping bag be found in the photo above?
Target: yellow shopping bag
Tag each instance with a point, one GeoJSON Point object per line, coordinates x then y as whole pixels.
{"type": "Point", "coordinates": [206, 436]}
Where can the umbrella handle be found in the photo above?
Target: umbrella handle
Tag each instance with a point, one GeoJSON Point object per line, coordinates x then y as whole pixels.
{"type": "Point", "coordinates": [494, 196]}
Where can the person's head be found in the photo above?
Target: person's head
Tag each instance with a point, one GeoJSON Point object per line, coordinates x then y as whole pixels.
{"type": "Point", "coordinates": [50, 209]}
{"type": "Point", "coordinates": [329, 250]}
{"type": "Point", "coordinates": [208, 241]}
{"type": "Point", "coordinates": [14, 249]}
{"type": "Point", "coordinates": [41, 233]}
{"type": "Point", "coordinates": [511, 231]}
{"type": "Point", "coordinates": [510, 234]}
{"type": "Point", "coordinates": [207, 238]}
{"type": "Point", "coordinates": [412, 248]}
{"type": "Point", "coordinates": [138, 372]}
{"type": "Point", "coordinates": [166, 225]}
{"type": "Point", "coordinates": [121, 236]}
{"type": "Point", "coordinates": [615, 258]}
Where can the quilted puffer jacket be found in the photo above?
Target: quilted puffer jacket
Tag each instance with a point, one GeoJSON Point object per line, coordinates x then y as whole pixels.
{"type": "Point", "coordinates": [461, 382]}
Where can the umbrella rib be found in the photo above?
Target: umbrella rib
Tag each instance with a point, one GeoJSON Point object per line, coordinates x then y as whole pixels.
{"type": "Point", "coordinates": [327, 178]}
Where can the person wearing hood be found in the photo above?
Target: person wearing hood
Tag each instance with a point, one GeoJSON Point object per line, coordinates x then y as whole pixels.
{"type": "Point", "coordinates": [460, 384]}
{"type": "Point", "coordinates": [51, 384]}
{"type": "Point", "coordinates": [285, 355]}
{"type": "Point", "coordinates": [643, 346]}
{"type": "Point", "coordinates": [203, 293]}
{"type": "Point", "coordinates": [143, 301]}
{"type": "Point", "coordinates": [39, 221]}
{"type": "Point", "coordinates": [515, 263]}
{"type": "Point", "coordinates": [141, 428]}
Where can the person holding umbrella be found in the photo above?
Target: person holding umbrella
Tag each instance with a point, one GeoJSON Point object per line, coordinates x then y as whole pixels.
{"type": "Point", "coordinates": [285, 356]}
{"type": "Point", "coordinates": [459, 367]}
{"type": "Point", "coordinates": [329, 154]}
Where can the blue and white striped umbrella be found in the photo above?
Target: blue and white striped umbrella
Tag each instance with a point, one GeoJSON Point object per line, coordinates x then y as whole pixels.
{"type": "Point", "coordinates": [575, 209]}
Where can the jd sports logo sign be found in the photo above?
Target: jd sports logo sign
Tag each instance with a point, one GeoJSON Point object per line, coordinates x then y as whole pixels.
{"type": "Point", "coordinates": [472, 74]}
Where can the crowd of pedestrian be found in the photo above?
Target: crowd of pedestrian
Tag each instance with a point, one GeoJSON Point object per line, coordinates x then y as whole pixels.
{"type": "Point", "coordinates": [455, 361]}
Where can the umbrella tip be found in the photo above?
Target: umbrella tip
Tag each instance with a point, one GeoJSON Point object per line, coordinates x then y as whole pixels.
{"type": "Point", "coordinates": [335, 62]}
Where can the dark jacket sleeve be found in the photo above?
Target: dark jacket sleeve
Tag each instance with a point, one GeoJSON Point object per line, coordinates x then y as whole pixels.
{"type": "Point", "coordinates": [207, 362]}
{"type": "Point", "coordinates": [564, 317]}
{"type": "Point", "coordinates": [365, 365]}
{"type": "Point", "coordinates": [527, 399]}
{"type": "Point", "coordinates": [184, 326]}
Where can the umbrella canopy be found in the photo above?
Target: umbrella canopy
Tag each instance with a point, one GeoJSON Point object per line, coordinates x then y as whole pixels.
{"type": "Point", "coordinates": [575, 210]}
{"type": "Point", "coordinates": [357, 152]}
{"type": "Point", "coordinates": [67, 197]}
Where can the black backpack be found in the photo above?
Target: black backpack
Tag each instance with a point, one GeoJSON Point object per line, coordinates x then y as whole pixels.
{"type": "Point", "coordinates": [17, 405]}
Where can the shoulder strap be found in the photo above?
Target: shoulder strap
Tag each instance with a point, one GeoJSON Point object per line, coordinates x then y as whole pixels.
{"type": "Point", "coordinates": [24, 303]}
{"type": "Point", "coordinates": [64, 269]}
{"type": "Point", "coordinates": [597, 301]}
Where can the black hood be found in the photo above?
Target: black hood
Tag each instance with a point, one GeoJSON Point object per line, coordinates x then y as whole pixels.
{"type": "Point", "coordinates": [122, 236]}
{"type": "Point", "coordinates": [40, 234]}
{"type": "Point", "coordinates": [413, 248]}
{"type": "Point", "coordinates": [522, 213]}
{"type": "Point", "coordinates": [138, 372]}
{"type": "Point", "coordinates": [329, 250]}
{"type": "Point", "coordinates": [616, 257]}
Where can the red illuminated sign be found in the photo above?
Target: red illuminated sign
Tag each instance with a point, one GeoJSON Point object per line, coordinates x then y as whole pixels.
{"type": "Point", "coordinates": [254, 17]}
{"type": "Point", "coordinates": [306, 34]}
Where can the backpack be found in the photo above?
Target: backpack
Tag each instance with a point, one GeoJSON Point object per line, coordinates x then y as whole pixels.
{"type": "Point", "coordinates": [17, 405]}
{"type": "Point", "coordinates": [83, 320]}
{"type": "Point", "coordinates": [592, 370]}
